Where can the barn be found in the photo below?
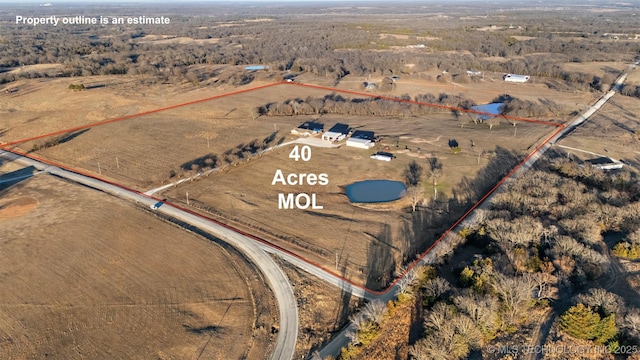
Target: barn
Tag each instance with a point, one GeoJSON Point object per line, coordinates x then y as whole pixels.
{"type": "Point", "coordinates": [516, 78]}
{"type": "Point", "coordinates": [336, 133]}
{"type": "Point", "coordinates": [360, 143]}
{"type": "Point", "coordinates": [362, 139]}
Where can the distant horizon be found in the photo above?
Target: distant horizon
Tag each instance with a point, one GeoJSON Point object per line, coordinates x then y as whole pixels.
{"type": "Point", "coordinates": [173, 2]}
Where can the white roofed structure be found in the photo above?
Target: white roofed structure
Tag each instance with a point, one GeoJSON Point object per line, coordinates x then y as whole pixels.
{"type": "Point", "coordinates": [516, 78]}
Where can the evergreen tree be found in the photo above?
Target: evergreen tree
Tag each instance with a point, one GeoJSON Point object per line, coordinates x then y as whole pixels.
{"type": "Point", "coordinates": [580, 322]}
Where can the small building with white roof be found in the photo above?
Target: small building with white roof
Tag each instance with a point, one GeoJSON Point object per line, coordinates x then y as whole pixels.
{"type": "Point", "coordinates": [516, 78]}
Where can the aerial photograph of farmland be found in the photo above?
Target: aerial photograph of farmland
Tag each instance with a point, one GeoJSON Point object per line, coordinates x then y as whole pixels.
{"type": "Point", "coordinates": [340, 179]}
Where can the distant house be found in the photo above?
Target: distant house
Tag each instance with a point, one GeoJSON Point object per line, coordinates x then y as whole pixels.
{"type": "Point", "coordinates": [605, 163]}
{"type": "Point", "coordinates": [516, 78]}
{"type": "Point", "coordinates": [384, 156]}
{"type": "Point", "coordinates": [362, 139]}
{"type": "Point", "coordinates": [308, 128]}
{"type": "Point", "coordinates": [336, 133]}
{"type": "Point", "coordinates": [474, 73]}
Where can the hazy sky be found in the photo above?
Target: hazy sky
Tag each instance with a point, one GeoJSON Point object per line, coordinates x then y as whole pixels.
{"type": "Point", "coordinates": [211, 1]}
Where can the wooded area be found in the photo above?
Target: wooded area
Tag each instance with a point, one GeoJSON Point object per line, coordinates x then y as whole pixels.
{"type": "Point", "coordinates": [335, 47]}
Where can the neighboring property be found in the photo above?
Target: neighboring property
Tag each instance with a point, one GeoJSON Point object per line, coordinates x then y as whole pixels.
{"type": "Point", "coordinates": [336, 133]}
{"type": "Point", "coordinates": [605, 163]}
{"type": "Point", "coordinates": [516, 78]}
{"type": "Point", "coordinates": [474, 73]}
{"type": "Point", "coordinates": [368, 85]}
{"type": "Point", "coordinates": [308, 128]}
{"type": "Point", "coordinates": [362, 139]}
{"type": "Point", "coordinates": [384, 156]}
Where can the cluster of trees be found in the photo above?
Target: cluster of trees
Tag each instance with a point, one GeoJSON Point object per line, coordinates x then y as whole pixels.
{"type": "Point", "coordinates": [631, 90]}
{"type": "Point", "coordinates": [406, 107]}
{"type": "Point", "coordinates": [543, 235]}
{"type": "Point", "coordinates": [374, 106]}
{"type": "Point", "coordinates": [629, 247]}
{"type": "Point", "coordinates": [413, 180]}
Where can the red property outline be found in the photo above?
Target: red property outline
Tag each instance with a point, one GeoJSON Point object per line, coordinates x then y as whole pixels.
{"type": "Point", "coordinates": [560, 127]}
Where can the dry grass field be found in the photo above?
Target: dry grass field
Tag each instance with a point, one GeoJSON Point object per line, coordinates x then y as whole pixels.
{"type": "Point", "coordinates": [85, 275]}
{"type": "Point", "coordinates": [597, 68]}
{"type": "Point", "coordinates": [42, 106]}
{"type": "Point", "coordinates": [142, 151]}
{"type": "Point", "coordinates": [244, 193]}
{"type": "Point", "coordinates": [611, 132]}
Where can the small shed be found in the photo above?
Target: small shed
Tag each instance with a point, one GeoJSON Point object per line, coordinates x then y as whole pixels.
{"type": "Point", "coordinates": [383, 156]}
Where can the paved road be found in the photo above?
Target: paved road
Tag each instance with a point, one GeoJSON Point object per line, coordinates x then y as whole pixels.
{"type": "Point", "coordinates": [287, 306]}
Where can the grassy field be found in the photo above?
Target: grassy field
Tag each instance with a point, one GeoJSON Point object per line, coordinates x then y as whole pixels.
{"type": "Point", "coordinates": [85, 275]}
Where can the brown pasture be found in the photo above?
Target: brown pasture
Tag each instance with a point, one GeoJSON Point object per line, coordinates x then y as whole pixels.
{"type": "Point", "coordinates": [85, 275]}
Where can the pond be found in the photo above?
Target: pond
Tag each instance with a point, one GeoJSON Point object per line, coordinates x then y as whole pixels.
{"type": "Point", "coordinates": [375, 191]}
{"type": "Point", "coordinates": [486, 111]}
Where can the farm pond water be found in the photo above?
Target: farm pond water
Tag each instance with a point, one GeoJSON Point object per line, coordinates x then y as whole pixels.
{"type": "Point", "coordinates": [375, 191]}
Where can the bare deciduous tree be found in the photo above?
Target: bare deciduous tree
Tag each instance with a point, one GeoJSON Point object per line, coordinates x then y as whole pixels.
{"type": "Point", "coordinates": [415, 195]}
{"type": "Point", "coordinates": [413, 173]}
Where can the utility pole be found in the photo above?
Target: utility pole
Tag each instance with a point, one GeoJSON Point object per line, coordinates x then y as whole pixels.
{"type": "Point", "coordinates": [336, 260]}
{"type": "Point", "coordinates": [99, 171]}
{"type": "Point", "coordinates": [479, 152]}
{"type": "Point", "coordinates": [117, 163]}
{"type": "Point", "coordinates": [515, 129]}
{"type": "Point", "coordinates": [187, 198]}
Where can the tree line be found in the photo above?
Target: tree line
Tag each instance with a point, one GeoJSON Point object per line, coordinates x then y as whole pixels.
{"type": "Point", "coordinates": [291, 43]}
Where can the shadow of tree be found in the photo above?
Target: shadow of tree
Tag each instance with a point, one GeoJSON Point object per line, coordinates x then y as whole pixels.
{"type": "Point", "coordinates": [381, 262]}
